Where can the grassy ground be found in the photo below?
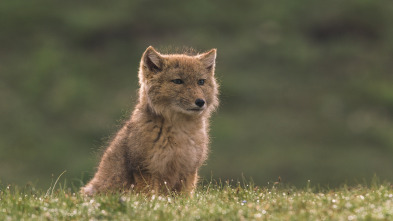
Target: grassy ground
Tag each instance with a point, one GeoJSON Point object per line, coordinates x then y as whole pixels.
{"type": "Point", "coordinates": [211, 202]}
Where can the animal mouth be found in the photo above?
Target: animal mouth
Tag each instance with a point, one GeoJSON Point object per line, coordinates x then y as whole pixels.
{"type": "Point", "coordinates": [195, 109]}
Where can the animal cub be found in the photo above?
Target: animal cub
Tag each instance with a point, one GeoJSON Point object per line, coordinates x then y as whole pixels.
{"type": "Point", "coordinates": [165, 141]}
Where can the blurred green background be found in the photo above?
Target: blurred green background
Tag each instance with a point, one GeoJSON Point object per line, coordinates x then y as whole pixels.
{"type": "Point", "coordinates": [306, 86]}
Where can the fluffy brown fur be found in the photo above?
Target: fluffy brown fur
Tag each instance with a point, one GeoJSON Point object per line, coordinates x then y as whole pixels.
{"type": "Point", "coordinates": [161, 147]}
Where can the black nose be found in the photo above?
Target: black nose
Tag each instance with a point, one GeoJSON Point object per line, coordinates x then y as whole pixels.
{"type": "Point", "coordinates": [199, 102]}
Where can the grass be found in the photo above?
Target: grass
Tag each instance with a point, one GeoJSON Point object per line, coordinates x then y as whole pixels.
{"type": "Point", "coordinates": [210, 202]}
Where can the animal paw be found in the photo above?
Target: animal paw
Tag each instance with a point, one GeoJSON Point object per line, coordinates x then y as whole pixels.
{"type": "Point", "coordinates": [88, 190]}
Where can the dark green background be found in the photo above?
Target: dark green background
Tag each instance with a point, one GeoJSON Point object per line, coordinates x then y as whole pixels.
{"type": "Point", "coordinates": [306, 86]}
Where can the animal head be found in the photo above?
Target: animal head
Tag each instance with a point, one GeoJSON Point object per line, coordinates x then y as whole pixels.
{"type": "Point", "coordinates": [178, 83]}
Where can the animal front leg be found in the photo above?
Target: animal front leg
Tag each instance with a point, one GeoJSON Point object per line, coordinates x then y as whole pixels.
{"type": "Point", "coordinates": [190, 183]}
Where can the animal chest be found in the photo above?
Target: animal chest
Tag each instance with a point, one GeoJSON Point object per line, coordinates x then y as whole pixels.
{"type": "Point", "coordinates": [177, 152]}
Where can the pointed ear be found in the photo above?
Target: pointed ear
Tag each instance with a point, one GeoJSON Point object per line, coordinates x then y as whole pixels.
{"type": "Point", "coordinates": [152, 59]}
{"type": "Point", "coordinates": [209, 59]}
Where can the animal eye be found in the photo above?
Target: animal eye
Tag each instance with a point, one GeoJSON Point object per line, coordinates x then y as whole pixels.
{"type": "Point", "coordinates": [201, 81]}
{"type": "Point", "coordinates": [178, 81]}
